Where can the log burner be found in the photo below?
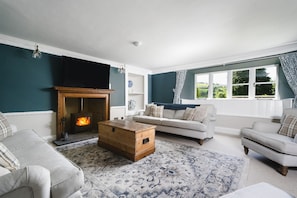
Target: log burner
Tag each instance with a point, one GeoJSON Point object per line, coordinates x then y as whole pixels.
{"type": "Point", "coordinates": [81, 122]}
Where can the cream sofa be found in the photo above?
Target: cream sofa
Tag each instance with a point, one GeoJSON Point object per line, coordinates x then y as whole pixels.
{"type": "Point", "coordinates": [172, 120]}
{"type": "Point", "coordinates": [41, 171]}
{"type": "Point", "coordinates": [268, 140]}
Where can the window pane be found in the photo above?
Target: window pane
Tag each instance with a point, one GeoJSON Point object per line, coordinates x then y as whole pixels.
{"type": "Point", "coordinates": [241, 76]}
{"type": "Point", "coordinates": [240, 91]}
{"type": "Point", "coordinates": [220, 85]}
{"type": "Point", "coordinates": [265, 90]}
{"type": "Point", "coordinates": [266, 74]}
{"type": "Point", "coordinates": [202, 86]}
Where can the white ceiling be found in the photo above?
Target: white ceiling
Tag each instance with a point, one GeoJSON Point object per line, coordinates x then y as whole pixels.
{"type": "Point", "coordinates": [174, 33]}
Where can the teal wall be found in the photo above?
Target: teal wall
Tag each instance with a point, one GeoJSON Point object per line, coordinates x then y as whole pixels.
{"type": "Point", "coordinates": [26, 84]}
{"type": "Point", "coordinates": [117, 80]}
{"type": "Point", "coordinates": [161, 95]}
{"type": "Point", "coordinates": [162, 87]}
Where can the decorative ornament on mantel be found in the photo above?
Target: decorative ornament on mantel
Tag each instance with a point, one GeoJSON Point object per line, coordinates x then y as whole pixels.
{"type": "Point", "coordinates": [36, 52]}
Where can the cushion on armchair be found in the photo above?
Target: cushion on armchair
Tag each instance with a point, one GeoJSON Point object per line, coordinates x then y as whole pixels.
{"type": "Point", "coordinates": [5, 129]}
{"type": "Point", "coordinates": [289, 126]}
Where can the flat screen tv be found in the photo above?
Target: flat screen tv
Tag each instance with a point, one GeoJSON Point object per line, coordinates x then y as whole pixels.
{"type": "Point", "coordinates": [85, 74]}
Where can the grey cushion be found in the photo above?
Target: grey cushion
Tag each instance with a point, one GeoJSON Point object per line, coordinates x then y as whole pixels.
{"type": "Point", "coordinates": [30, 149]}
{"type": "Point", "coordinates": [168, 113]}
{"type": "Point", "coordinates": [280, 143]}
{"type": "Point", "coordinates": [179, 114]}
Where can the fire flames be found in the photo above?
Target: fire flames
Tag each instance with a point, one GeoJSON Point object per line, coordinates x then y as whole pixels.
{"type": "Point", "coordinates": [83, 121]}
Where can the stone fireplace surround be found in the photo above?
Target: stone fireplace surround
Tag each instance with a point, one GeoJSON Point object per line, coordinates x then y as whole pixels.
{"type": "Point", "coordinates": [74, 100]}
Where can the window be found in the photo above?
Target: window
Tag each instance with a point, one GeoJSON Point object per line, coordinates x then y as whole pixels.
{"type": "Point", "coordinates": [255, 82]}
{"type": "Point", "coordinates": [265, 82]}
{"type": "Point", "coordinates": [202, 83]}
{"type": "Point", "coordinates": [220, 85]}
{"type": "Point", "coordinates": [240, 84]}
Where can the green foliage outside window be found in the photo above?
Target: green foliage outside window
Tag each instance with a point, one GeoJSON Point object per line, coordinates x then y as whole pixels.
{"type": "Point", "coordinates": [202, 90]}
{"type": "Point", "coordinates": [220, 91]}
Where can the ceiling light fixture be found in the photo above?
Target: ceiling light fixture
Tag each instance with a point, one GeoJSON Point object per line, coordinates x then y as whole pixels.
{"type": "Point", "coordinates": [122, 69]}
{"type": "Point", "coordinates": [36, 53]}
{"type": "Point", "coordinates": [136, 43]}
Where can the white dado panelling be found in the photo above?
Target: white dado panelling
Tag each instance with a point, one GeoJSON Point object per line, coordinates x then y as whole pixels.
{"type": "Point", "coordinates": [117, 112]}
{"type": "Point", "coordinates": [234, 114]}
{"type": "Point", "coordinates": [43, 122]}
{"type": "Point", "coordinates": [244, 107]}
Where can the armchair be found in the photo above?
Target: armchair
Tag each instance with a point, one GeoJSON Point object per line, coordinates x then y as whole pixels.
{"type": "Point", "coordinates": [276, 141]}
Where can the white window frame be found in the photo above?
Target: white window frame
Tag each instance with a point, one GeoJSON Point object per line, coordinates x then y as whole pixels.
{"type": "Point", "coordinates": [251, 85]}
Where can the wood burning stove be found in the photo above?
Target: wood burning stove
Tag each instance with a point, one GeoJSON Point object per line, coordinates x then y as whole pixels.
{"type": "Point", "coordinates": [81, 122]}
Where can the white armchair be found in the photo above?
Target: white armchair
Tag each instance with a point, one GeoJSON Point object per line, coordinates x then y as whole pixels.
{"type": "Point", "coordinates": [264, 138]}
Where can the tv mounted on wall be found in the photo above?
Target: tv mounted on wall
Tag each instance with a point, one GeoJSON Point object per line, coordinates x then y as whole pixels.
{"type": "Point", "coordinates": [85, 74]}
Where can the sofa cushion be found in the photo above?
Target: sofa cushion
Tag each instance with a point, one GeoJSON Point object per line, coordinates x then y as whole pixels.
{"type": "Point", "coordinates": [189, 113]}
{"type": "Point", "coordinates": [289, 126]}
{"type": "Point", "coordinates": [5, 129]}
{"type": "Point", "coordinates": [157, 111]}
{"type": "Point", "coordinates": [168, 113]}
{"type": "Point", "coordinates": [148, 120]}
{"type": "Point", "coordinates": [147, 110]}
{"type": "Point", "coordinates": [30, 149]}
{"type": "Point", "coordinates": [179, 114]}
{"type": "Point", "coordinates": [185, 124]}
{"type": "Point", "coordinates": [7, 159]}
{"type": "Point", "coordinates": [280, 143]}
{"type": "Point", "coordinates": [200, 113]}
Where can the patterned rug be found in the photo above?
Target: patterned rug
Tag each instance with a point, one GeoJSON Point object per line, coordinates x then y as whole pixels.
{"type": "Point", "coordinates": [174, 170]}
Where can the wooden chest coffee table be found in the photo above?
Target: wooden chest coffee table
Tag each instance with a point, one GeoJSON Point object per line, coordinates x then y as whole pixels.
{"type": "Point", "coordinates": [128, 138]}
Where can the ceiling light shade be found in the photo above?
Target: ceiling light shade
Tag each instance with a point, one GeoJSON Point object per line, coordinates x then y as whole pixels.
{"type": "Point", "coordinates": [136, 43]}
{"type": "Point", "coordinates": [36, 53]}
{"type": "Point", "coordinates": [122, 69]}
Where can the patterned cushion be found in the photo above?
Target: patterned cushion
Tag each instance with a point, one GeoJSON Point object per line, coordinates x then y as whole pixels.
{"type": "Point", "coordinates": [189, 114]}
{"type": "Point", "coordinates": [157, 111]}
{"type": "Point", "coordinates": [147, 111]}
{"type": "Point", "coordinates": [200, 113]}
{"type": "Point", "coordinates": [7, 159]}
{"type": "Point", "coordinates": [5, 129]}
{"type": "Point", "coordinates": [289, 126]}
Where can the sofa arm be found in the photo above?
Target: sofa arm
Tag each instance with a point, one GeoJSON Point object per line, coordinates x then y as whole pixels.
{"type": "Point", "coordinates": [266, 127]}
{"type": "Point", "coordinates": [34, 180]}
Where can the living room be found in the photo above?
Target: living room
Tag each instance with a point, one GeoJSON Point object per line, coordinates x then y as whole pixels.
{"type": "Point", "coordinates": [155, 50]}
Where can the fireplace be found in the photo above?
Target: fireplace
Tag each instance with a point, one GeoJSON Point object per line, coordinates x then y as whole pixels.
{"type": "Point", "coordinates": [85, 105]}
{"type": "Point", "coordinates": [81, 122]}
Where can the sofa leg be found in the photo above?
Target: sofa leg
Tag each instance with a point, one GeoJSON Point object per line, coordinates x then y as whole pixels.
{"type": "Point", "coordinates": [283, 170]}
{"type": "Point", "coordinates": [246, 150]}
{"type": "Point", "coordinates": [200, 141]}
